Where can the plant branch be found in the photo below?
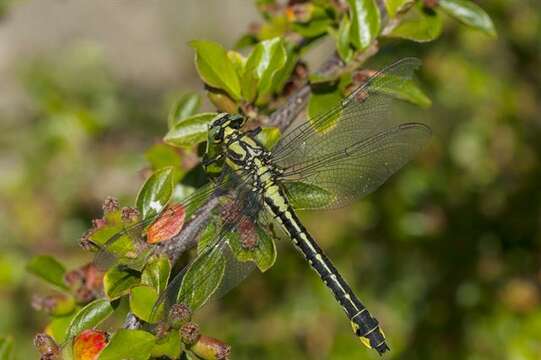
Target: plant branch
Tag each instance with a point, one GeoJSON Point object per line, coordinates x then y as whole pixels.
{"type": "Point", "coordinates": [187, 238]}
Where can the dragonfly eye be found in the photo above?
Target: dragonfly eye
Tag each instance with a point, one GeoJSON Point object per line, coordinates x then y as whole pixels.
{"type": "Point", "coordinates": [216, 134]}
{"type": "Point", "coordinates": [237, 121]}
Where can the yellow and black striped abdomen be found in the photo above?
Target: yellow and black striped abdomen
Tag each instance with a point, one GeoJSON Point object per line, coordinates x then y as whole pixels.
{"type": "Point", "coordinates": [365, 326]}
{"type": "Point", "coordinates": [247, 158]}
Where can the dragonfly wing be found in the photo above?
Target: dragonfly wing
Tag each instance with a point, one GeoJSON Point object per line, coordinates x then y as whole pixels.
{"type": "Point", "coordinates": [363, 147]}
{"type": "Point", "coordinates": [355, 171]}
{"type": "Point", "coordinates": [229, 249]}
{"type": "Point", "coordinates": [363, 113]}
{"type": "Point", "coordinates": [128, 243]}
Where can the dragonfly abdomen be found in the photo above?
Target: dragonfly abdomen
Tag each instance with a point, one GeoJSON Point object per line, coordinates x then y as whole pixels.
{"type": "Point", "coordinates": [365, 326]}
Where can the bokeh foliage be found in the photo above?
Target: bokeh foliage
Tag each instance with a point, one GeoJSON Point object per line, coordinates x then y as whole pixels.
{"type": "Point", "coordinates": [446, 254]}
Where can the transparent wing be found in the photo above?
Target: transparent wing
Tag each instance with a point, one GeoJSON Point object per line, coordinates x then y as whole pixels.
{"type": "Point", "coordinates": [360, 151]}
{"type": "Point", "coordinates": [134, 236]}
{"type": "Point", "coordinates": [354, 171]}
{"type": "Point", "coordinates": [230, 248]}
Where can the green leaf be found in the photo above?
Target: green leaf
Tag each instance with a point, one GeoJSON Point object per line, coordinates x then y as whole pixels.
{"type": "Point", "coordinates": [89, 316]}
{"type": "Point", "coordinates": [156, 273]}
{"type": "Point", "coordinates": [48, 269]}
{"type": "Point", "coordinates": [343, 40]}
{"type": "Point", "coordinates": [365, 22]}
{"type": "Point", "coordinates": [470, 14]}
{"type": "Point", "coordinates": [118, 281]}
{"type": "Point", "coordinates": [419, 25]}
{"type": "Point", "coordinates": [58, 327]}
{"type": "Point", "coordinates": [186, 106]}
{"type": "Point", "coordinates": [6, 348]}
{"type": "Point", "coordinates": [215, 68]}
{"type": "Point", "coordinates": [170, 346]}
{"type": "Point", "coordinates": [245, 41]}
{"type": "Point", "coordinates": [249, 81]}
{"type": "Point", "coordinates": [122, 247]}
{"type": "Point", "coordinates": [128, 344]}
{"type": "Point", "coordinates": [190, 131]}
{"type": "Point", "coordinates": [268, 137]}
{"type": "Point", "coordinates": [313, 28]}
{"type": "Point", "coordinates": [142, 300]}
{"type": "Point", "coordinates": [263, 253]}
{"type": "Point", "coordinates": [238, 61]}
{"type": "Point", "coordinates": [323, 79]}
{"type": "Point", "coordinates": [276, 26]}
{"type": "Point", "coordinates": [394, 7]}
{"type": "Point", "coordinates": [222, 101]}
{"type": "Point", "coordinates": [307, 196]}
{"type": "Point", "coordinates": [207, 235]}
{"type": "Point", "coordinates": [155, 192]}
{"type": "Point", "coordinates": [266, 59]}
{"type": "Point", "coordinates": [281, 77]}
{"type": "Point", "coordinates": [405, 90]}
{"type": "Point", "coordinates": [162, 155]}
{"type": "Point", "coordinates": [320, 101]}
{"type": "Point", "coordinates": [201, 280]}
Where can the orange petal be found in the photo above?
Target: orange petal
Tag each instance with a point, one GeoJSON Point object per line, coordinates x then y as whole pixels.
{"type": "Point", "coordinates": [167, 225]}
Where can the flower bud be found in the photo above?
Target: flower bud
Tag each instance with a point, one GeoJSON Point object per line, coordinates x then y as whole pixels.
{"type": "Point", "coordinates": [129, 215]}
{"type": "Point", "coordinates": [47, 347]}
{"type": "Point", "coordinates": [190, 333]}
{"type": "Point", "coordinates": [56, 305]}
{"type": "Point", "coordinates": [211, 349]}
{"type": "Point", "coordinates": [110, 205]}
{"type": "Point", "coordinates": [179, 315]}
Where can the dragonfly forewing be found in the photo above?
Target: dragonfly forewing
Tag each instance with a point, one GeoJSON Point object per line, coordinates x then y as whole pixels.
{"type": "Point", "coordinates": [232, 245]}
{"type": "Point", "coordinates": [129, 242]}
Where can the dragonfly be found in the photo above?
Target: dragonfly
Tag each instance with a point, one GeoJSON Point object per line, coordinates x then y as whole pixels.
{"type": "Point", "coordinates": [328, 161]}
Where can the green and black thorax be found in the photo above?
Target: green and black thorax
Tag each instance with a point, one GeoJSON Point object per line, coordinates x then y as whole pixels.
{"type": "Point", "coordinates": [228, 145]}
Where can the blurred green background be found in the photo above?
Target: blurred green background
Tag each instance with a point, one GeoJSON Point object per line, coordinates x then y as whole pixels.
{"type": "Point", "coordinates": [447, 254]}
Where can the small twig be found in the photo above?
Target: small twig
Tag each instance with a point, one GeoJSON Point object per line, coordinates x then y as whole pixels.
{"type": "Point", "coordinates": [287, 113]}
{"type": "Point", "coordinates": [187, 238]}
{"type": "Point", "coordinates": [131, 322]}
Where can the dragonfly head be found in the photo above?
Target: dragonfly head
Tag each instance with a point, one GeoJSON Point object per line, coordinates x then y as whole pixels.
{"type": "Point", "coordinates": [222, 122]}
{"type": "Point", "coordinates": [220, 128]}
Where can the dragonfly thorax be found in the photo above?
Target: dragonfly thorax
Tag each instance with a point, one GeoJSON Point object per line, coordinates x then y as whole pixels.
{"type": "Point", "coordinates": [228, 145]}
{"type": "Point", "coordinates": [250, 160]}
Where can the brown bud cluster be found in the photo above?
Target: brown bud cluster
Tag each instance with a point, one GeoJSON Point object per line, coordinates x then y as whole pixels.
{"type": "Point", "coordinates": [190, 333]}
{"type": "Point", "coordinates": [47, 347]}
{"type": "Point", "coordinates": [56, 305]}
{"type": "Point", "coordinates": [162, 329]}
{"type": "Point", "coordinates": [110, 204]}
{"type": "Point", "coordinates": [129, 214]}
{"type": "Point", "coordinates": [179, 315]}
{"type": "Point", "coordinates": [248, 236]}
{"type": "Point", "coordinates": [85, 282]}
